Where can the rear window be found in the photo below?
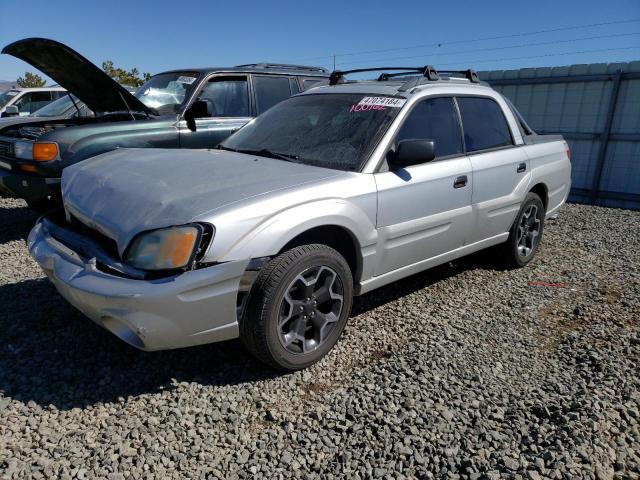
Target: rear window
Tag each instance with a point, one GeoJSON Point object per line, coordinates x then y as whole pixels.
{"type": "Point", "coordinates": [484, 124]}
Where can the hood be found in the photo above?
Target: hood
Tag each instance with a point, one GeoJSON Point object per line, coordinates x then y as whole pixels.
{"type": "Point", "coordinates": [75, 73]}
{"type": "Point", "coordinates": [128, 191]}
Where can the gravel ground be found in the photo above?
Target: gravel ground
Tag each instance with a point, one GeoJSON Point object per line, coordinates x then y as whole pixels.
{"type": "Point", "coordinates": [466, 371]}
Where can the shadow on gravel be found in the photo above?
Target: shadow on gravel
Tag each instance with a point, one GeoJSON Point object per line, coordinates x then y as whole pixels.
{"type": "Point", "coordinates": [16, 223]}
{"type": "Point", "coordinates": [52, 355]}
{"type": "Point", "coordinates": [485, 260]}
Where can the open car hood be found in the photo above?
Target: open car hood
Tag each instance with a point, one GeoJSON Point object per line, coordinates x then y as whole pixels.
{"type": "Point", "coordinates": [75, 73]}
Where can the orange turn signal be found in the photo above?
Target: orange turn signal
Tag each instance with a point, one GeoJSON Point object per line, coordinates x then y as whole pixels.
{"type": "Point", "coordinates": [178, 247]}
{"type": "Point", "coordinates": [29, 168]}
{"type": "Point", "coordinates": [45, 151]}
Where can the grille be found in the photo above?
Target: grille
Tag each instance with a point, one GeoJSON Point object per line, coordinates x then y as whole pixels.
{"type": "Point", "coordinates": [108, 244]}
{"type": "Point", "coordinates": [6, 149]}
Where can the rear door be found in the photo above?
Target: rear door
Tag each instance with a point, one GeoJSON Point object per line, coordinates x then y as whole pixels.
{"type": "Point", "coordinates": [228, 96]}
{"type": "Point", "coordinates": [499, 165]}
{"type": "Point", "coordinates": [425, 210]}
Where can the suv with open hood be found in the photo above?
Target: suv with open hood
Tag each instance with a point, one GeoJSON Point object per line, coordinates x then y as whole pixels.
{"type": "Point", "coordinates": [189, 108]}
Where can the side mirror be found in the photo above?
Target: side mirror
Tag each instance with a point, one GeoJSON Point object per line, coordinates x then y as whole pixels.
{"type": "Point", "coordinates": [198, 109]}
{"type": "Point", "coordinates": [11, 111]}
{"type": "Point", "coordinates": [414, 152]}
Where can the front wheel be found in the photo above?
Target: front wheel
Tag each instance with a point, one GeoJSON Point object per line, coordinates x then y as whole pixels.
{"type": "Point", "coordinates": [44, 205]}
{"type": "Point", "coordinates": [526, 232]}
{"type": "Point", "coordinates": [298, 307]}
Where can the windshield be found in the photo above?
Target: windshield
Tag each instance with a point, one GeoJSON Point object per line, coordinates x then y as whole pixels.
{"type": "Point", "coordinates": [327, 130]}
{"type": "Point", "coordinates": [167, 92]}
{"type": "Point", "coordinates": [5, 97]}
{"type": "Point", "coordinates": [58, 107]}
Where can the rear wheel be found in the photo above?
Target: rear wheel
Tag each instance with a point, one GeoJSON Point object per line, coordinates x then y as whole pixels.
{"type": "Point", "coordinates": [298, 307]}
{"type": "Point", "coordinates": [526, 232]}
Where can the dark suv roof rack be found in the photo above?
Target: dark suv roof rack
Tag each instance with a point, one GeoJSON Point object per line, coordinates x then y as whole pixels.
{"type": "Point", "coordinates": [284, 66]}
{"type": "Point", "coordinates": [428, 72]}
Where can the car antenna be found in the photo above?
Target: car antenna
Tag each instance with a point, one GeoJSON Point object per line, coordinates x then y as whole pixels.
{"type": "Point", "coordinates": [127, 105]}
{"type": "Point", "coordinates": [74, 104]}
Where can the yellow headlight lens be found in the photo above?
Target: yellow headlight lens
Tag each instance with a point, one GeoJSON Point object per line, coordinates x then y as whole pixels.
{"type": "Point", "coordinates": [164, 249]}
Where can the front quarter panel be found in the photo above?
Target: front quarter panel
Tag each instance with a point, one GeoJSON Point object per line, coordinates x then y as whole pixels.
{"type": "Point", "coordinates": [262, 227]}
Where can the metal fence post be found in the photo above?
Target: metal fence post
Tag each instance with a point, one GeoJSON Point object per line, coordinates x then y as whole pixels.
{"type": "Point", "coordinates": [604, 138]}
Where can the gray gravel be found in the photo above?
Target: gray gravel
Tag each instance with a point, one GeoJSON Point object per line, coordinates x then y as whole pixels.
{"type": "Point", "coordinates": [466, 371]}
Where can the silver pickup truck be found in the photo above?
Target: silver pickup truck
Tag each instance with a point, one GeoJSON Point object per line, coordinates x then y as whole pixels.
{"type": "Point", "coordinates": [330, 194]}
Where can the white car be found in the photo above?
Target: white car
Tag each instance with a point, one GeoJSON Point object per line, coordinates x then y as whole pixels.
{"type": "Point", "coordinates": [25, 101]}
{"type": "Point", "coordinates": [329, 194]}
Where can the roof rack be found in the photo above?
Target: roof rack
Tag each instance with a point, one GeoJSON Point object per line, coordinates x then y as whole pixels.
{"type": "Point", "coordinates": [284, 66]}
{"type": "Point", "coordinates": [428, 72]}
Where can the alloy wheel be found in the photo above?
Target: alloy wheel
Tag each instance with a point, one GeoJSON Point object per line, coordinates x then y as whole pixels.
{"type": "Point", "coordinates": [528, 230]}
{"type": "Point", "coordinates": [310, 309]}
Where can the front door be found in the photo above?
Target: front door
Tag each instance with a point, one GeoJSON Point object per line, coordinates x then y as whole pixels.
{"type": "Point", "coordinates": [228, 98]}
{"type": "Point", "coordinates": [425, 210]}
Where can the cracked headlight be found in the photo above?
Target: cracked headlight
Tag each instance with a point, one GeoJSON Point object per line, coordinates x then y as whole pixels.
{"type": "Point", "coordinates": [164, 249]}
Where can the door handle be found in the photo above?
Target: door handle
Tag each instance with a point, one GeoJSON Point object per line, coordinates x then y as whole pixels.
{"type": "Point", "coordinates": [522, 167]}
{"type": "Point", "coordinates": [460, 181]}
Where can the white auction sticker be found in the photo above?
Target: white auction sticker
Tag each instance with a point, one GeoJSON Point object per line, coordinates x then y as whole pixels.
{"type": "Point", "coordinates": [186, 79]}
{"type": "Point", "coordinates": [383, 101]}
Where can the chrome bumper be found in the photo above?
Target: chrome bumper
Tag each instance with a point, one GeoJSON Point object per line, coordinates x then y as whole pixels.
{"type": "Point", "coordinates": [192, 308]}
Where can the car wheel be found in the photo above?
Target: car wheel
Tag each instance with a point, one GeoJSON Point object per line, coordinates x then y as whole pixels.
{"type": "Point", "coordinates": [526, 232]}
{"type": "Point", "coordinates": [298, 307]}
{"type": "Point", "coordinates": [44, 205]}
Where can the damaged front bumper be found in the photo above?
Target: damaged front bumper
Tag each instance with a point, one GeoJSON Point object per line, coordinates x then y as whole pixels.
{"type": "Point", "coordinates": [192, 308]}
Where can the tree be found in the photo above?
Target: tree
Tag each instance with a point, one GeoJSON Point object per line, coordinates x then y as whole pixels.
{"type": "Point", "coordinates": [131, 77]}
{"type": "Point", "coordinates": [31, 80]}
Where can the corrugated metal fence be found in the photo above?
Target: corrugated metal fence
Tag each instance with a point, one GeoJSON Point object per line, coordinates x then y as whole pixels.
{"type": "Point", "coordinates": [597, 109]}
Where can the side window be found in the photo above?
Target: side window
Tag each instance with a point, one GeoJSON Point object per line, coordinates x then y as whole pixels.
{"type": "Point", "coordinates": [228, 96]}
{"type": "Point", "coordinates": [32, 101]}
{"type": "Point", "coordinates": [269, 91]}
{"type": "Point", "coordinates": [435, 119]}
{"type": "Point", "coordinates": [308, 83]}
{"type": "Point", "coordinates": [484, 124]}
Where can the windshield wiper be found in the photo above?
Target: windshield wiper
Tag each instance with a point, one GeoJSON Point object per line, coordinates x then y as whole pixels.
{"type": "Point", "coordinates": [222, 147]}
{"type": "Point", "coordinates": [265, 152]}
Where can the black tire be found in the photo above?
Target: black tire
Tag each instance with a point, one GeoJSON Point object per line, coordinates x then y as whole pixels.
{"type": "Point", "coordinates": [517, 255]}
{"type": "Point", "coordinates": [44, 205]}
{"type": "Point", "coordinates": [267, 307]}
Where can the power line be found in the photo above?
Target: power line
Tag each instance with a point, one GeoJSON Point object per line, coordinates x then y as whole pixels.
{"type": "Point", "coordinates": [541, 56]}
{"type": "Point", "coordinates": [456, 42]}
{"type": "Point", "coordinates": [522, 45]}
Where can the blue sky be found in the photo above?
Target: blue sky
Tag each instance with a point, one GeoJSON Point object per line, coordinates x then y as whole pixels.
{"type": "Point", "coordinates": [159, 35]}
